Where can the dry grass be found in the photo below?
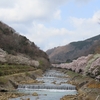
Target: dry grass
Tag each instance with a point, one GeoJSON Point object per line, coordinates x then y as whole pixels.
{"type": "Point", "coordinates": [93, 84]}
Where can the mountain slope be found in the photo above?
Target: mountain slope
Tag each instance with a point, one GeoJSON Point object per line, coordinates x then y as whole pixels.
{"type": "Point", "coordinates": [74, 50]}
{"type": "Point", "coordinates": [15, 44]}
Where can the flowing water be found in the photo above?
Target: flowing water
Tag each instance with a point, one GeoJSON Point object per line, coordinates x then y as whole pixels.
{"type": "Point", "coordinates": [53, 87]}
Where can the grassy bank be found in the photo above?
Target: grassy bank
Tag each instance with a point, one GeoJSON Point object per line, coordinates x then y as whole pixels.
{"type": "Point", "coordinates": [10, 81]}
{"type": "Point", "coordinates": [6, 69]}
{"type": "Point", "coordinates": [12, 75]}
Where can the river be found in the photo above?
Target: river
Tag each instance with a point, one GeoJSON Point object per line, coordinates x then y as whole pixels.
{"type": "Point", "coordinates": [53, 86]}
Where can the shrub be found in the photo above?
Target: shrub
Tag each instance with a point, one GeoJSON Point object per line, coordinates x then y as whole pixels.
{"type": "Point", "coordinates": [1, 73]}
{"type": "Point", "coordinates": [27, 74]}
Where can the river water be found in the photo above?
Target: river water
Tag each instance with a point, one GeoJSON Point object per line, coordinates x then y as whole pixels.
{"type": "Point", "coordinates": [53, 87]}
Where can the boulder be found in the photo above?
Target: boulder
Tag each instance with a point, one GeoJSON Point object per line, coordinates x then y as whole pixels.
{"type": "Point", "coordinates": [34, 94]}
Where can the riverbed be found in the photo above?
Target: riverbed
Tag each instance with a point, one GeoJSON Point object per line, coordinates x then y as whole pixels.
{"type": "Point", "coordinates": [53, 86]}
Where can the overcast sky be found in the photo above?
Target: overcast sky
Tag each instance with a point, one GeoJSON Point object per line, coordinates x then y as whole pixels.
{"type": "Point", "coordinates": [52, 23]}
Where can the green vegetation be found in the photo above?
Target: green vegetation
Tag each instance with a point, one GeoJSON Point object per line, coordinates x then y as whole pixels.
{"type": "Point", "coordinates": [73, 74]}
{"type": "Point", "coordinates": [80, 44]}
{"type": "Point", "coordinates": [27, 74]}
{"type": "Point", "coordinates": [68, 61]}
{"type": "Point", "coordinates": [77, 76]}
{"type": "Point", "coordinates": [3, 80]}
{"type": "Point", "coordinates": [94, 57]}
{"type": "Point", "coordinates": [40, 64]}
{"type": "Point", "coordinates": [43, 64]}
{"type": "Point", "coordinates": [6, 69]}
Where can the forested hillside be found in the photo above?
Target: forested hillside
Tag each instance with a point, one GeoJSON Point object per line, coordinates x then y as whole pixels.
{"type": "Point", "coordinates": [18, 47]}
{"type": "Point", "coordinates": [74, 50]}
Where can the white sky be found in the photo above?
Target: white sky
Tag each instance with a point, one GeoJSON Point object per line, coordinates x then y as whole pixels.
{"type": "Point", "coordinates": [52, 23]}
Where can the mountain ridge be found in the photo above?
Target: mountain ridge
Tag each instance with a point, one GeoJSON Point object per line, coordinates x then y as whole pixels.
{"type": "Point", "coordinates": [74, 50]}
